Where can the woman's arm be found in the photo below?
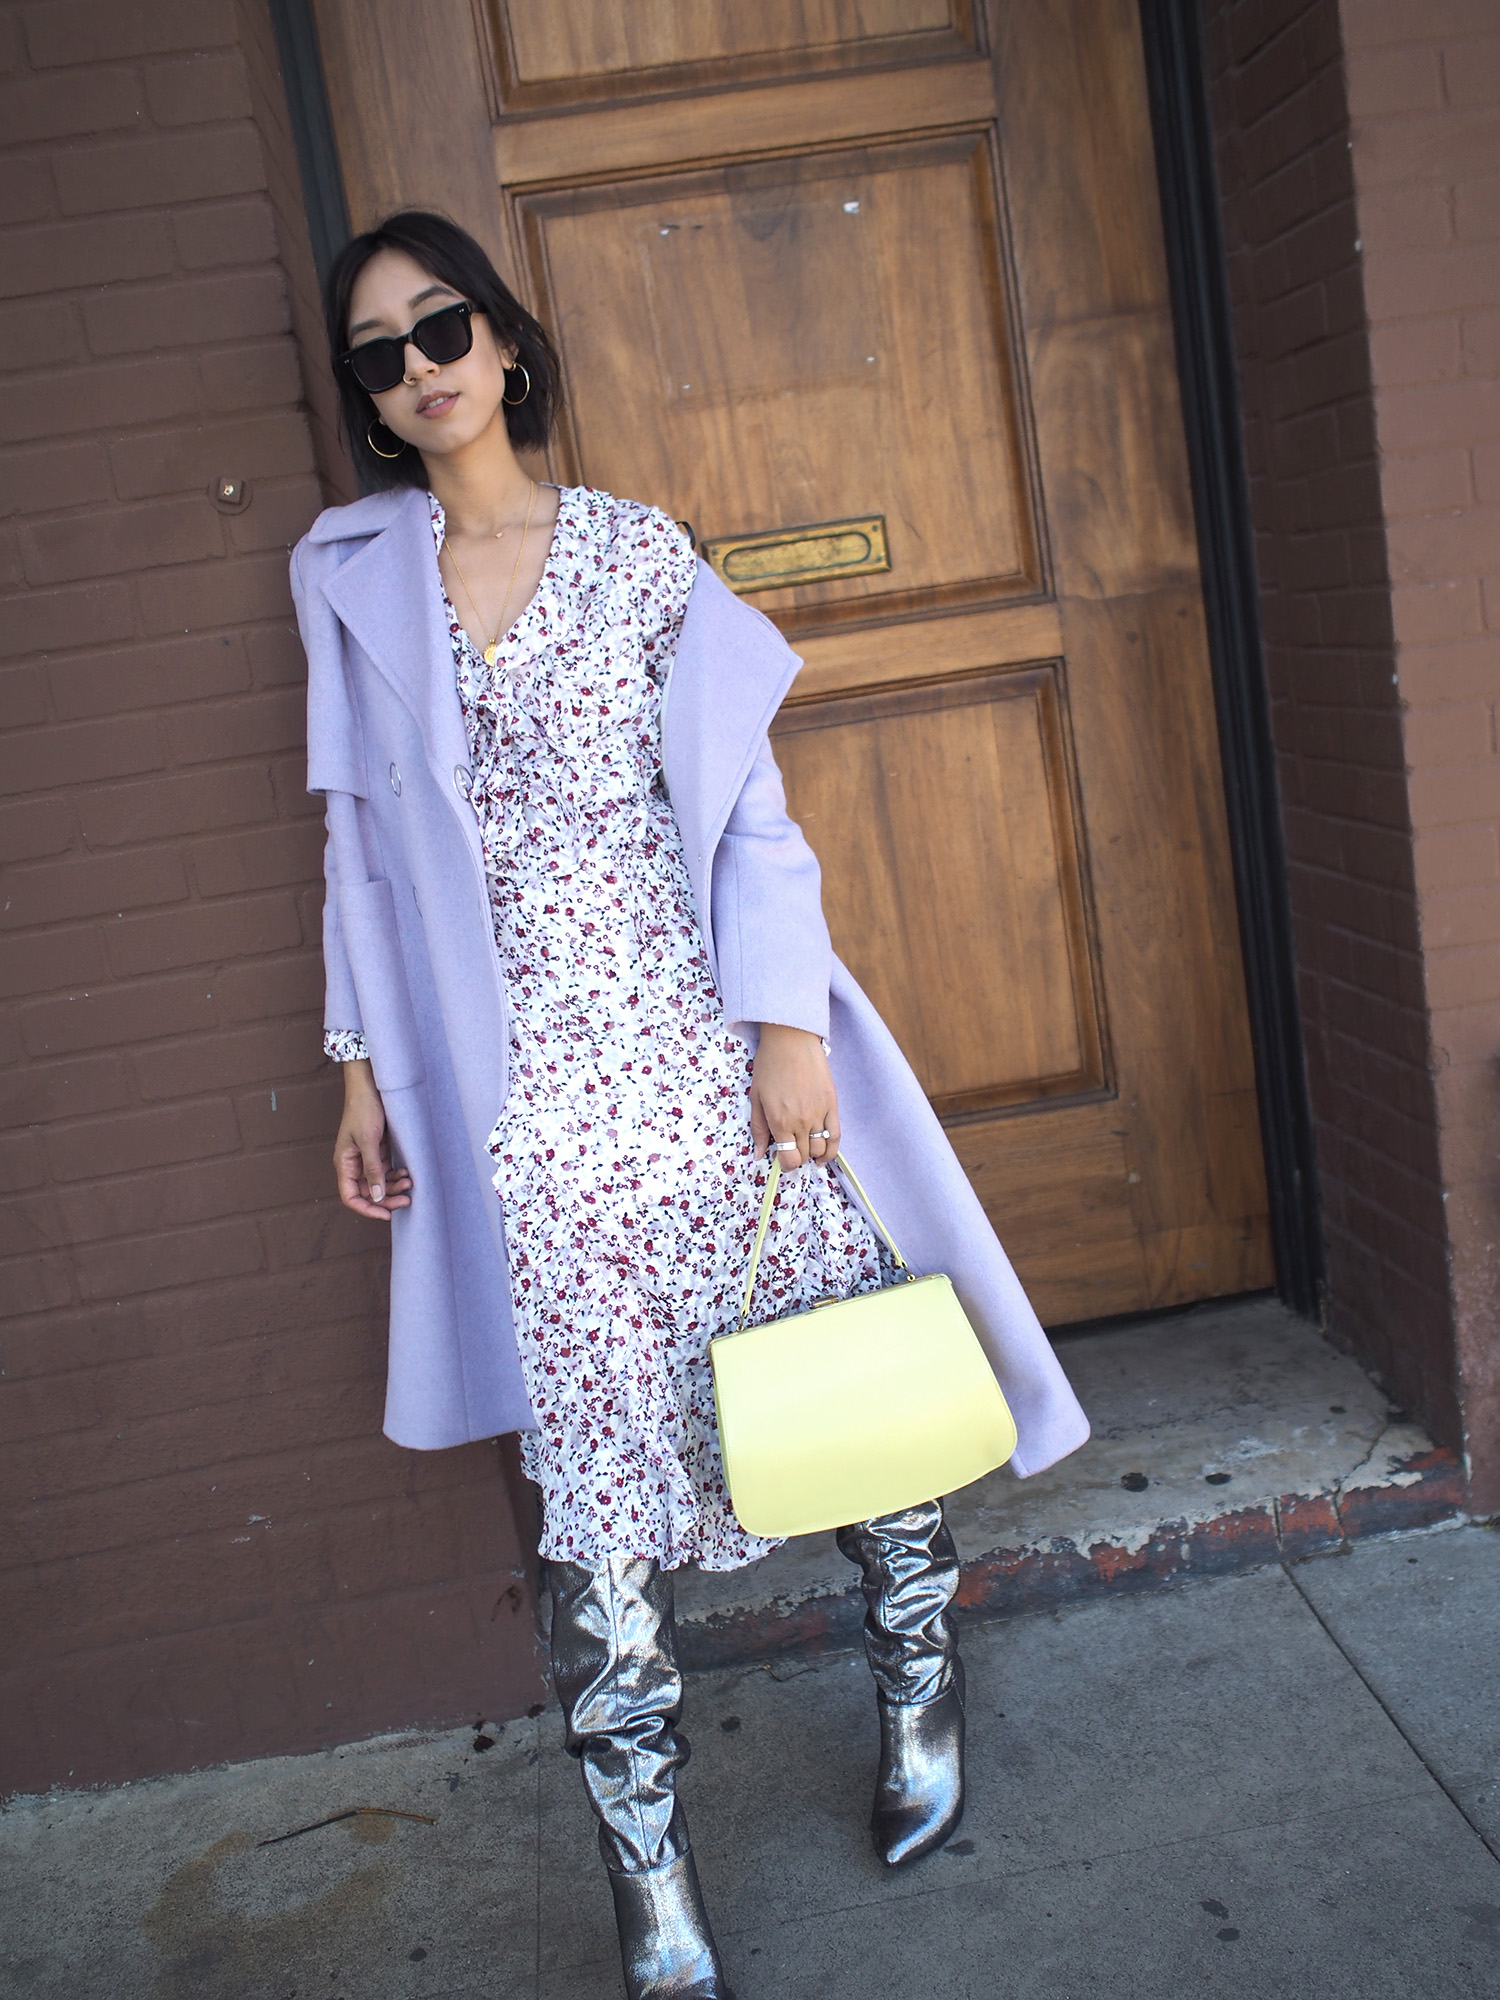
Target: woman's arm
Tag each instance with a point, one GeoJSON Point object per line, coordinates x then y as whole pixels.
{"type": "Point", "coordinates": [792, 1096]}
{"type": "Point", "coordinates": [367, 1181]}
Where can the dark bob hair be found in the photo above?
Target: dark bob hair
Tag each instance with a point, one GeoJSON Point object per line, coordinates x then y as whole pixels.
{"type": "Point", "coordinates": [452, 256]}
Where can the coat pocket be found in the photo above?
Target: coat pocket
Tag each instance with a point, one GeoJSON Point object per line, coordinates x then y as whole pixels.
{"type": "Point", "coordinates": [372, 939]}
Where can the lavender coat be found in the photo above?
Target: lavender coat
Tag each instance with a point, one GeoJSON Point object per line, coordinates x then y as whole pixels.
{"type": "Point", "coordinates": [411, 961]}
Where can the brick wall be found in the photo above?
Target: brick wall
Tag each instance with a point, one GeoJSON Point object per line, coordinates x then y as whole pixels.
{"type": "Point", "coordinates": [209, 1550]}
{"type": "Point", "coordinates": [1297, 284]}
{"type": "Point", "coordinates": [1424, 101]}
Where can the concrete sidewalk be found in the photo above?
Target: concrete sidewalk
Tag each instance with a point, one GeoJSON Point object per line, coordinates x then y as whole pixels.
{"type": "Point", "coordinates": [1285, 1783]}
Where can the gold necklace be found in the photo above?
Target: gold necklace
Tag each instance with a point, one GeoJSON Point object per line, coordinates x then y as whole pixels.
{"type": "Point", "coordinates": [491, 651]}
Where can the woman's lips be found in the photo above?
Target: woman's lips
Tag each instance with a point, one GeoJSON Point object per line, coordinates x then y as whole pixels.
{"type": "Point", "coordinates": [437, 406]}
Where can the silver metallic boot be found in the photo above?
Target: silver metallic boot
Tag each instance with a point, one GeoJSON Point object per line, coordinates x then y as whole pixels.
{"type": "Point", "coordinates": [910, 1575]}
{"type": "Point", "coordinates": [614, 1665]}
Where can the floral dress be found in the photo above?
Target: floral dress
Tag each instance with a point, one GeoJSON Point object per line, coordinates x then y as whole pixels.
{"type": "Point", "coordinates": [623, 1155]}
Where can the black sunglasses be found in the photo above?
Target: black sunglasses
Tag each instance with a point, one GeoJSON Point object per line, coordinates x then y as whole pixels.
{"type": "Point", "coordinates": [444, 335]}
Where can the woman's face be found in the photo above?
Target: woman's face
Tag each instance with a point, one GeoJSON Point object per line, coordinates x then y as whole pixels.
{"type": "Point", "coordinates": [439, 408]}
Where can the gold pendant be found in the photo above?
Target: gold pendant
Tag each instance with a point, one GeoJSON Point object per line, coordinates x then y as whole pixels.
{"type": "Point", "coordinates": [492, 653]}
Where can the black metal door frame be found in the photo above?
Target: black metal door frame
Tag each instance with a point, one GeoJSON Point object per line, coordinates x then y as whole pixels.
{"type": "Point", "coordinates": [1171, 33]}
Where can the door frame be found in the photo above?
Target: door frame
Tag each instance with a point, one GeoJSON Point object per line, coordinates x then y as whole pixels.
{"type": "Point", "coordinates": [1198, 277]}
{"type": "Point", "coordinates": [1203, 329]}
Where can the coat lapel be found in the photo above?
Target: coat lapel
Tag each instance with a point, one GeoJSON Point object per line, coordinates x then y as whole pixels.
{"type": "Point", "coordinates": [389, 597]}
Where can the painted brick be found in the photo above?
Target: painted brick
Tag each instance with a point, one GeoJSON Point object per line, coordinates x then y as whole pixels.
{"type": "Point", "coordinates": [85, 253]}
{"type": "Point", "coordinates": [46, 1093]}
{"type": "Point", "coordinates": [1444, 280]}
{"type": "Point", "coordinates": [281, 515]}
{"type": "Point", "coordinates": [1463, 916]}
{"type": "Point", "coordinates": [116, 1016]}
{"type": "Point", "coordinates": [35, 828]}
{"type": "Point", "coordinates": [304, 1113]}
{"type": "Point", "coordinates": [1455, 733]}
{"type": "Point", "coordinates": [252, 378]}
{"type": "Point", "coordinates": [270, 857]}
{"type": "Point", "coordinates": [1384, 21]}
{"type": "Point", "coordinates": [228, 306]}
{"type": "Point", "coordinates": [1471, 70]}
{"type": "Point", "coordinates": [276, 656]}
{"type": "Point", "coordinates": [37, 1283]}
{"type": "Point", "coordinates": [1431, 482]}
{"type": "Point", "coordinates": [1457, 857]}
{"type": "Point", "coordinates": [200, 934]}
{"type": "Point", "coordinates": [170, 461]}
{"type": "Point", "coordinates": [37, 760]}
{"type": "Point", "coordinates": [1416, 350]}
{"type": "Point", "coordinates": [122, 540]}
{"type": "Point", "coordinates": [42, 622]}
{"type": "Point", "coordinates": [165, 672]}
{"type": "Point", "coordinates": [1451, 795]}
{"type": "Point", "coordinates": [1456, 672]}
{"type": "Point", "coordinates": [151, 170]}
{"type": "Point", "coordinates": [230, 232]}
{"type": "Point", "coordinates": [56, 958]}
{"type": "Point", "coordinates": [40, 333]}
{"type": "Point", "coordinates": [86, 886]}
{"type": "Point", "coordinates": [201, 90]}
{"type": "Point", "coordinates": [169, 807]}
{"type": "Point", "coordinates": [1434, 611]}
{"type": "Point", "coordinates": [1476, 210]}
{"type": "Point", "coordinates": [246, 727]}
{"type": "Point", "coordinates": [22, 1162]}
{"type": "Point", "coordinates": [43, 477]}
{"type": "Point", "coordinates": [1448, 145]}
{"type": "Point", "coordinates": [26, 195]}
{"type": "Point", "coordinates": [237, 1185]}
{"type": "Point", "coordinates": [86, 101]}
{"type": "Point", "coordinates": [1480, 335]}
{"type": "Point", "coordinates": [1394, 79]}
{"type": "Point", "coordinates": [1404, 218]}
{"type": "Point", "coordinates": [263, 1053]}
{"type": "Point", "coordinates": [1486, 463]}
{"type": "Point", "coordinates": [91, 399]}
{"type": "Point", "coordinates": [1464, 543]}
{"type": "Point", "coordinates": [143, 1139]}
{"type": "Point", "coordinates": [230, 593]}
{"type": "Point", "coordinates": [67, 32]}
{"type": "Point", "coordinates": [23, 698]}
{"type": "Point", "coordinates": [176, 1257]}
{"type": "Point", "coordinates": [266, 989]}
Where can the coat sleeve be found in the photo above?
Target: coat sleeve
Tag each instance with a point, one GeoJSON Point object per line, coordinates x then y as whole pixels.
{"type": "Point", "coordinates": [335, 763]}
{"type": "Point", "coordinates": [341, 1015]}
{"type": "Point", "coordinates": [775, 959]}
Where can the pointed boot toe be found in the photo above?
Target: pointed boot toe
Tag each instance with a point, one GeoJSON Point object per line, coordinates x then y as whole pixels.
{"type": "Point", "coordinates": [666, 1946]}
{"type": "Point", "coordinates": [919, 1792]}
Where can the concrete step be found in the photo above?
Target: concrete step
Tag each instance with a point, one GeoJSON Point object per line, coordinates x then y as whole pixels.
{"type": "Point", "coordinates": [1225, 1436]}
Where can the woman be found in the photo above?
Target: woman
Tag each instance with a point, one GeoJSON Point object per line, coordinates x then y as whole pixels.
{"type": "Point", "coordinates": [581, 987]}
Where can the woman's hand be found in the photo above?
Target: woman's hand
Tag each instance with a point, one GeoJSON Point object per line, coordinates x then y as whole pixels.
{"type": "Point", "coordinates": [367, 1181]}
{"type": "Point", "coordinates": [792, 1096]}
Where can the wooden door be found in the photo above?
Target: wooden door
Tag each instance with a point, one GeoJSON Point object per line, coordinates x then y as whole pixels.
{"type": "Point", "coordinates": [871, 292]}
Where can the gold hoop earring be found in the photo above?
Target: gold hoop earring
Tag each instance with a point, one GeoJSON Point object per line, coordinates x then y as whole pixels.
{"type": "Point", "coordinates": [514, 402]}
{"type": "Point", "coordinates": [370, 440]}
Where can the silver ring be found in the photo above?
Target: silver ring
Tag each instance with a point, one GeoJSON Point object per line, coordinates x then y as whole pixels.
{"type": "Point", "coordinates": [824, 1134]}
{"type": "Point", "coordinates": [784, 1146]}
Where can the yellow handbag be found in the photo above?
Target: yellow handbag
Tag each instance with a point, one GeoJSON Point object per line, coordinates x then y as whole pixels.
{"type": "Point", "coordinates": [856, 1407]}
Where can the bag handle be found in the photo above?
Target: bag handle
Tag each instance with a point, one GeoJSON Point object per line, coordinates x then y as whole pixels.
{"type": "Point", "coordinates": [773, 1181]}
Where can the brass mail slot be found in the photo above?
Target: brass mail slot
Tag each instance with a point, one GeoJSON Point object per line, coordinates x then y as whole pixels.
{"type": "Point", "coordinates": [815, 554]}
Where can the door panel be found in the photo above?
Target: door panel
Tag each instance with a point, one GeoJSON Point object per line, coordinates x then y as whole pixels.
{"type": "Point", "coordinates": [754, 305]}
{"type": "Point", "coordinates": [944, 814]}
{"type": "Point", "coordinates": [881, 284]}
{"type": "Point", "coordinates": [545, 52]}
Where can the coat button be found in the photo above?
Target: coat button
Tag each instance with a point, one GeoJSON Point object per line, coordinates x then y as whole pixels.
{"type": "Point", "coordinates": [463, 778]}
{"type": "Point", "coordinates": [395, 781]}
